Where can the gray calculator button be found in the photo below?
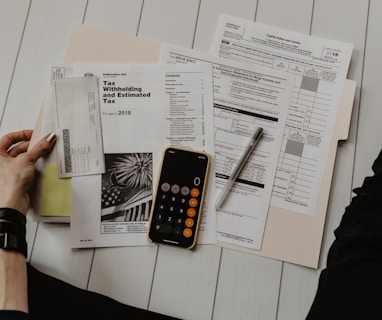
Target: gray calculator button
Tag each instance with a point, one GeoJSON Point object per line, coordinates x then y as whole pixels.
{"type": "Point", "coordinates": [175, 188]}
{"type": "Point", "coordinates": [165, 187]}
{"type": "Point", "coordinates": [185, 190]}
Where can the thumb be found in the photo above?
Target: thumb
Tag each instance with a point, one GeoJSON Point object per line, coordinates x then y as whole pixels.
{"type": "Point", "coordinates": [41, 148]}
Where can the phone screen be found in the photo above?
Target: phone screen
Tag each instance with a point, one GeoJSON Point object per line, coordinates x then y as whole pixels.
{"type": "Point", "coordinates": [177, 207]}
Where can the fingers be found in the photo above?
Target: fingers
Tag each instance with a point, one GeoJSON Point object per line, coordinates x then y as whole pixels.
{"type": "Point", "coordinates": [15, 143]}
{"type": "Point", "coordinates": [19, 148]}
{"type": "Point", "coordinates": [11, 138]}
{"type": "Point", "coordinates": [43, 147]}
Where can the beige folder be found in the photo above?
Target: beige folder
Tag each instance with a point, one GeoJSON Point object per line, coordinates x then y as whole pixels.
{"type": "Point", "coordinates": [294, 237]}
{"type": "Point", "coordinates": [289, 236]}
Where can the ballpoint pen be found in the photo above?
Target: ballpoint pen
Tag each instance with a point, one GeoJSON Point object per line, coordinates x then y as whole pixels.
{"type": "Point", "coordinates": [236, 171]}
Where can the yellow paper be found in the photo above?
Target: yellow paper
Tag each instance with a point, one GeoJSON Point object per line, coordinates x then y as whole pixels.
{"type": "Point", "coordinates": [56, 194]}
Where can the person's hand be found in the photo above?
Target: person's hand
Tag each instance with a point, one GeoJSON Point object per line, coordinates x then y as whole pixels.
{"type": "Point", "coordinates": [17, 167]}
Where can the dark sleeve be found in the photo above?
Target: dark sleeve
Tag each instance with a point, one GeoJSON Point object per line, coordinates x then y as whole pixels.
{"type": "Point", "coordinates": [351, 285]}
{"type": "Point", "coordinates": [13, 315]}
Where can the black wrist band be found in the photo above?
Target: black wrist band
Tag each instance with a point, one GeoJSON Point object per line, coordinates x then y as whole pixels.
{"type": "Point", "coordinates": [12, 242]}
{"type": "Point", "coordinates": [11, 227]}
{"type": "Point", "coordinates": [12, 215]}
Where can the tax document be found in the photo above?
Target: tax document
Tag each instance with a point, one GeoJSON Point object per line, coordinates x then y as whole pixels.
{"type": "Point", "coordinates": [144, 108]}
{"type": "Point", "coordinates": [245, 98]}
{"type": "Point", "coordinates": [320, 67]}
{"type": "Point", "coordinates": [78, 124]}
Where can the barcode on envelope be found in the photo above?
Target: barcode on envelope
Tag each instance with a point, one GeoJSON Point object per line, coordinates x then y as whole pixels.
{"type": "Point", "coordinates": [67, 155]}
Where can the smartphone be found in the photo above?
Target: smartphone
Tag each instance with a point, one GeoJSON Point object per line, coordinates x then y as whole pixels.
{"type": "Point", "coordinates": [176, 210]}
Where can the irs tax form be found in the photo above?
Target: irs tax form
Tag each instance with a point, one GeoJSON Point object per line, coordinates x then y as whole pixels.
{"type": "Point", "coordinates": [320, 67]}
{"type": "Point", "coordinates": [245, 98]}
{"type": "Point", "coordinates": [144, 108]}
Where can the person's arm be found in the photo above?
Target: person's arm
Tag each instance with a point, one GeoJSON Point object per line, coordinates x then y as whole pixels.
{"type": "Point", "coordinates": [13, 281]}
{"type": "Point", "coordinates": [350, 285]}
{"type": "Point", "coordinates": [17, 166]}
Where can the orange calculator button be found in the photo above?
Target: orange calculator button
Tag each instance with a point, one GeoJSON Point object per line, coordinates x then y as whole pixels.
{"type": "Point", "coordinates": [193, 202]}
{"type": "Point", "coordinates": [187, 232]}
{"type": "Point", "coordinates": [195, 192]}
{"type": "Point", "coordinates": [189, 222]}
{"type": "Point", "coordinates": [191, 212]}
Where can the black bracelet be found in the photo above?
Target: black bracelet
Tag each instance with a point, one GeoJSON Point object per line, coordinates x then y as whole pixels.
{"type": "Point", "coordinates": [12, 242]}
{"type": "Point", "coordinates": [13, 216]}
{"type": "Point", "coordinates": [10, 227]}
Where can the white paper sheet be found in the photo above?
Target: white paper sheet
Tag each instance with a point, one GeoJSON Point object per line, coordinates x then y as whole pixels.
{"type": "Point", "coordinates": [244, 99]}
{"type": "Point", "coordinates": [78, 127]}
{"type": "Point", "coordinates": [144, 108]}
{"type": "Point", "coordinates": [320, 67]}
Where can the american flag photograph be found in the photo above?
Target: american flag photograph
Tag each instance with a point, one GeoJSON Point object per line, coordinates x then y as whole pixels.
{"type": "Point", "coordinates": [127, 187]}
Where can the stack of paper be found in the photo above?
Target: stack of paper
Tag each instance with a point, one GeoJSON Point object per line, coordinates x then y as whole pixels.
{"type": "Point", "coordinates": [289, 84]}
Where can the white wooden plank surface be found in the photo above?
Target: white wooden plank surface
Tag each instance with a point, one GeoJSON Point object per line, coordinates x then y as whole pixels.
{"type": "Point", "coordinates": [297, 290]}
{"type": "Point", "coordinates": [13, 15]}
{"type": "Point", "coordinates": [51, 254]}
{"type": "Point", "coordinates": [248, 287]}
{"type": "Point", "coordinates": [294, 15]}
{"type": "Point", "coordinates": [208, 17]}
{"type": "Point", "coordinates": [369, 136]}
{"type": "Point", "coordinates": [125, 274]}
{"type": "Point", "coordinates": [169, 21]}
{"type": "Point", "coordinates": [48, 27]}
{"type": "Point", "coordinates": [185, 282]}
{"type": "Point", "coordinates": [114, 15]}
